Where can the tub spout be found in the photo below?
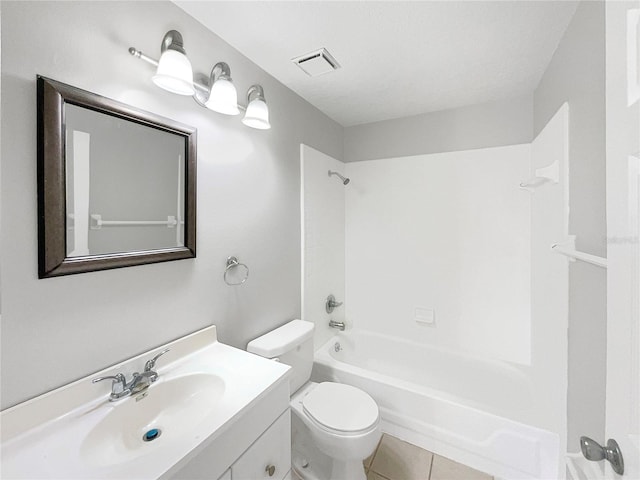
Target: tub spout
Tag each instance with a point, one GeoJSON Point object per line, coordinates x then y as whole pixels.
{"type": "Point", "coordinates": [338, 325]}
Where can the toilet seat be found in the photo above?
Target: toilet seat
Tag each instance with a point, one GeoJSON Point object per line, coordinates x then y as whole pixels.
{"type": "Point", "coordinates": [341, 408]}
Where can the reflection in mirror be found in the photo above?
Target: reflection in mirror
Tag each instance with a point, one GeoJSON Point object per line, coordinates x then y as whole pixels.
{"type": "Point", "coordinates": [116, 185]}
{"type": "Point", "coordinates": [124, 185]}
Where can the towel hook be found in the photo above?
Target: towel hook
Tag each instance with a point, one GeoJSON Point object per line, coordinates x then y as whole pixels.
{"type": "Point", "coordinates": [232, 263]}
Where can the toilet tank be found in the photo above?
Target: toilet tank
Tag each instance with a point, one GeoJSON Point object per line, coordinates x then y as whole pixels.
{"type": "Point", "coordinates": [291, 344]}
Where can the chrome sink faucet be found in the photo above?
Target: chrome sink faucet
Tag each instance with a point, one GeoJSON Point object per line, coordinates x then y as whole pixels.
{"type": "Point", "coordinates": [139, 381]}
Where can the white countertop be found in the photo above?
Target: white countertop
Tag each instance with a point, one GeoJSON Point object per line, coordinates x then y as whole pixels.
{"type": "Point", "coordinates": [51, 436]}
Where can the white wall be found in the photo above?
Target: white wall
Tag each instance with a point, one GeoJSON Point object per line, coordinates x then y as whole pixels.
{"type": "Point", "coordinates": [576, 74]}
{"type": "Point", "coordinates": [323, 204]}
{"type": "Point", "coordinates": [60, 329]}
{"type": "Point", "coordinates": [446, 232]}
{"type": "Point", "coordinates": [493, 124]}
{"type": "Point", "coordinates": [550, 280]}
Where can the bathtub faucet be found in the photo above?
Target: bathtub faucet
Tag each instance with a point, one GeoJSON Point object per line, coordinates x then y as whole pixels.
{"type": "Point", "coordinates": [338, 325]}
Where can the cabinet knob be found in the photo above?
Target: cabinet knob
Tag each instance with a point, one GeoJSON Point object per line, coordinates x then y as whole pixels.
{"type": "Point", "coordinates": [270, 469]}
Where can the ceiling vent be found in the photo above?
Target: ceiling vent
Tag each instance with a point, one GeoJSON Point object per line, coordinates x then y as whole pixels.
{"type": "Point", "coordinates": [316, 63]}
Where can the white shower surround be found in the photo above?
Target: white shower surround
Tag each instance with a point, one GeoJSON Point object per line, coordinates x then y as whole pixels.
{"type": "Point", "coordinates": [322, 207]}
{"type": "Point", "coordinates": [448, 233]}
{"type": "Point", "coordinates": [453, 215]}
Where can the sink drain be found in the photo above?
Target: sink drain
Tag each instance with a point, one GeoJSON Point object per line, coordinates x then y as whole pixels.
{"type": "Point", "coordinates": [151, 435]}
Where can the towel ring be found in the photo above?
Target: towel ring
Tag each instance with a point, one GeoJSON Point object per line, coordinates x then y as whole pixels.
{"type": "Point", "coordinates": [232, 263]}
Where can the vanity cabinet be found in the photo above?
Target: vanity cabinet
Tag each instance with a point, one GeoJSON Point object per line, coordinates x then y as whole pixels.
{"type": "Point", "coordinates": [270, 455]}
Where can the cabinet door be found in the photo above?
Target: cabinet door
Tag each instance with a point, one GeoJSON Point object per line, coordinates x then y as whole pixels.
{"type": "Point", "coordinates": [269, 457]}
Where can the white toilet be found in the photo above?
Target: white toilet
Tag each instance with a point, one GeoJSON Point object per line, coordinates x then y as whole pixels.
{"type": "Point", "coordinates": [343, 420]}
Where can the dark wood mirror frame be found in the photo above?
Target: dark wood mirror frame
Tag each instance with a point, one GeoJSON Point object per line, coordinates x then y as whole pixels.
{"type": "Point", "coordinates": [52, 240]}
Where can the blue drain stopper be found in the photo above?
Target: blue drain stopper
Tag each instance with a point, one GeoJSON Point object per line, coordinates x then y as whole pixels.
{"type": "Point", "coordinates": [152, 434]}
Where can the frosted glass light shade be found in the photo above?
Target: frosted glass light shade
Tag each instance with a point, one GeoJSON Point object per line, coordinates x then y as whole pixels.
{"type": "Point", "coordinates": [174, 73]}
{"type": "Point", "coordinates": [223, 97]}
{"type": "Point", "coordinates": [257, 115]}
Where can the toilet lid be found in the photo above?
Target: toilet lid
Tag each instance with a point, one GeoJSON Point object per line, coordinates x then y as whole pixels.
{"type": "Point", "coordinates": [341, 407]}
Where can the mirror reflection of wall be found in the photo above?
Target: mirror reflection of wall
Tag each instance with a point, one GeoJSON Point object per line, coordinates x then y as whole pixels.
{"type": "Point", "coordinates": [125, 185]}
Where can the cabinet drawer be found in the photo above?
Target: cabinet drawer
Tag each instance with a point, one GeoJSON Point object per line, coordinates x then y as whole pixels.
{"type": "Point", "coordinates": [269, 457]}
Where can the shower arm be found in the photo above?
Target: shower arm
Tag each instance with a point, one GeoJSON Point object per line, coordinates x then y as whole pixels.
{"type": "Point", "coordinates": [344, 179]}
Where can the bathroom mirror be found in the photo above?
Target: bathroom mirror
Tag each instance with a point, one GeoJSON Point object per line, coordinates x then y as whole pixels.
{"type": "Point", "coordinates": [116, 185]}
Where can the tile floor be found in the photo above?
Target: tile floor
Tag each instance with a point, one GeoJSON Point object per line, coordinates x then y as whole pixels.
{"type": "Point", "coordinates": [395, 459]}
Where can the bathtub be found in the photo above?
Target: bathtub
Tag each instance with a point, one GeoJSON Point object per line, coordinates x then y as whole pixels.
{"type": "Point", "coordinates": [470, 410]}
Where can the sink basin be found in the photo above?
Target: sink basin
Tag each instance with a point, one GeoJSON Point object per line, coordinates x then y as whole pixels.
{"type": "Point", "coordinates": [200, 400]}
{"type": "Point", "coordinates": [170, 410]}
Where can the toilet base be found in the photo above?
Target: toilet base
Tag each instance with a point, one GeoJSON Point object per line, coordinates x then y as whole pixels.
{"type": "Point", "coordinates": [310, 465]}
{"type": "Point", "coordinates": [307, 461]}
{"type": "Point", "coordinates": [307, 466]}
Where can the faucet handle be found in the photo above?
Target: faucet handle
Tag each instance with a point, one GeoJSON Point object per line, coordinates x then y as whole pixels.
{"type": "Point", "coordinates": [331, 304]}
{"type": "Point", "coordinates": [116, 379]}
{"type": "Point", "coordinates": [150, 365]}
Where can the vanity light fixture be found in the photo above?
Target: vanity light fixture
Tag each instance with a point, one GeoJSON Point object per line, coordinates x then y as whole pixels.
{"type": "Point", "coordinates": [217, 92]}
{"type": "Point", "coordinates": [223, 97]}
{"type": "Point", "coordinates": [174, 72]}
{"type": "Point", "coordinates": [257, 114]}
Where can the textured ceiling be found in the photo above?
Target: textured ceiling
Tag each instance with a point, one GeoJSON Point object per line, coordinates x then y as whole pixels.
{"type": "Point", "coordinates": [398, 58]}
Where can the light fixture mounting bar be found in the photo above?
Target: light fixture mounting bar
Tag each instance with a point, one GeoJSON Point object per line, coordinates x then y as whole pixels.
{"type": "Point", "coordinates": [139, 54]}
